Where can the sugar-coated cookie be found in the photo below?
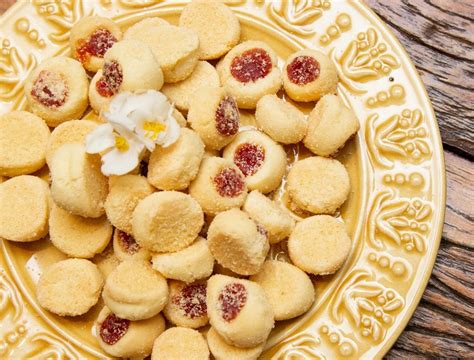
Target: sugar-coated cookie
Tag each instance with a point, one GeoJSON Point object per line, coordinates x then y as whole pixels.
{"type": "Point", "coordinates": [249, 71]}
{"type": "Point", "coordinates": [280, 120]}
{"type": "Point", "coordinates": [274, 219]}
{"type": "Point", "coordinates": [56, 90]}
{"type": "Point", "coordinates": [219, 185]}
{"type": "Point", "coordinates": [125, 247]}
{"type": "Point", "coordinates": [174, 167]}
{"type": "Point", "coordinates": [214, 115]}
{"type": "Point", "coordinates": [221, 350]}
{"type": "Point", "coordinates": [127, 339]}
{"type": "Point", "coordinates": [261, 160]}
{"type": "Point", "coordinates": [192, 263]}
{"type": "Point", "coordinates": [69, 287]}
{"type": "Point", "coordinates": [216, 25]}
{"type": "Point", "coordinates": [289, 290]}
{"type": "Point", "coordinates": [237, 242]}
{"type": "Point", "coordinates": [187, 304]}
{"type": "Point", "coordinates": [77, 236]}
{"type": "Point", "coordinates": [125, 192]}
{"type": "Point", "coordinates": [23, 140]}
{"type": "Point", "coordinates": [239, 311]}
{"type": "Point", "coordinates": [134, 291]}
{"type": "Point", "coordinates": [167, 221]}
{"type": "Point", "coordinates": [330, 125]}
{"type": "Point", "coordinates": [77, 184]}
{"type": "Point", "coordinates": [308, 75]}
{"type": "Point", "coordinates": [318, 185]}
{"type": "Point", "coordinates": [179, 343]}
{"type": "Point", "coordinates": [319, 245]}
{"type": "Point", "coordinates": [106, 261]}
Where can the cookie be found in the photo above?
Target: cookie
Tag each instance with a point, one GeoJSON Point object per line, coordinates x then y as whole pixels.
{"type": "Point", "coordinates": [106, 261]}
{"type": "Point", "coordinates": [69, 287]}
{"type": "Point", "coordinates": [192, 263]}
{"type": "Point", "coordinates": [174, 167]}
{"type": "Point", "coordinates": [77, 236]}
{"type": "Point", "coordinates": [125, 247]}
{"type": "Point", "coordinates": [308, 75]}
{"type": "Point", "coordinates": [56, 90]}
{"type": "Point", "coordinates": [237, 243]}
{"type": "Point", "coordinates": [23, 141]}
{"type": "Point", "coordinates": [259, 158]}
{"type": "Point", "coordinates": [91, 37]}
{"type": "Point", "coordinates": [319, 245]}
{"type": "Point", "coordinates": [223, 351]}
{"type": "Point", "coordinates": [179, 343]}
{"type": "Point", "coordinates": [167, 221]}
{"type": "Point", "coordinates": [318, 185]}
{"type": "Point", "coordinates": [134, 291]}
{"type": "Point", "coordinates": [280, 120]}
{"type": "Point", "coordinates": [216, 25]}
{"type": "Point", "coordinates": [249, 71]}
{"type": "Point", "coordinates": [330, 125]}
{"type": "Point", "coordinates": [24, 208]}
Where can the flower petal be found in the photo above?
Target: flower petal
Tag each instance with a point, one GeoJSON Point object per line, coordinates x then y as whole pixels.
{"type": "Point", "coordinates": [172, 132]}
{"type": "Point", "coordinates": [102, 138]}
{"type": "Point", "coordinates": [119, 163]}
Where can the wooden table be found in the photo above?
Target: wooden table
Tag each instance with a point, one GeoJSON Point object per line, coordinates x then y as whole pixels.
{"type": "Point", "coordinates": [439, 36]}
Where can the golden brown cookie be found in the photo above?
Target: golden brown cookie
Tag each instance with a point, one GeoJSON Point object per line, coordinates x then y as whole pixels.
{"type": "Point", "coordinates": [180, 343]}
{"type": "Point", "coordinates": [221, 350]}
{"type": "Point", "coordinates": [125, 247]}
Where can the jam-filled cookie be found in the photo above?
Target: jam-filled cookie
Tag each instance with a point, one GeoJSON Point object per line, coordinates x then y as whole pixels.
{"type": "Point", "coordinates": [135, 291]}
{"type": "Point", "coordinates": [330, 125]}
{"type": "Point", "coordinates": [167, 221]}
{"type": "Point", "coordinates": [174, 167]}
{"type": "Point", "coordinates": [261, 160]}
{"type": "Point", "coordinates": [280, 120]}
{"type": "Point", "coordinates": [192, 263]}
{"type": "Point", "coordinates": [308, 75]}
{"type": "Point", "coordinates": [179, 343]}
{"type": "Point", "coordinates": [24, 208]}
{"type": "Point", "coordinates": [221, 350]}
{"type": "Point", "coordinates": [69, 287]}
{"type": "Point", "coordinates": [319, 245]}
{"type": "Point", "coordinates": [318, 185]}
{"type": "Point", "coordinates": [23, 141]}
{"type": "Point", "coordinates": [237, 242]}
{"type": "Point", "coordinates": [216, 25]}
{"type": "Point", "coordinates": [125, 247]}
{"type": "Point", "coordinates": [219, 186]}
{"type": "Point", "coordinates": [91, 37]}
{"type": "Point", "coordinates": [214, 115]}
{"type": "Point", "coordinates": [249, 71]}
{"type": "Point", "coordinates": [127, 339]}
{"type": "Point", "coordinates": [239, 311]}
{"type": "Point", "coordinates": [56, 90]}
{"type": "Point", "coordinates": [187, 304]}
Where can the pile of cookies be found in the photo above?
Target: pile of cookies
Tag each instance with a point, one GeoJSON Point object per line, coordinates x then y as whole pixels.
{"type": "Point", "coordinates": [191, 227]}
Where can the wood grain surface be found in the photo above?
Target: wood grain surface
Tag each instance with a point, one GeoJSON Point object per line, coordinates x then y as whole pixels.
{"type": "Point", "coordinates": [439, 36]}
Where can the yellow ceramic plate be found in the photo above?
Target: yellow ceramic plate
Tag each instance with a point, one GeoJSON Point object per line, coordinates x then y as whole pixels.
{"type": "Point", "coordinates": [395, 212]}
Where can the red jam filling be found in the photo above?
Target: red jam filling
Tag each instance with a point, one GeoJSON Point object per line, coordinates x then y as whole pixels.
{"type": "Point", "coordinates": [231, 300]}
{"type": "Point", "coordinates": [227, 117]}
{"type": "Point", "coordinates": [50, 89]}
{"type": "Point", "coordinates": [127, 242]}
{"type": "Point", "coordinates": [192, 300]}
{"type": "Point", "coordinates": [113, 329]}
{"type": "Point", "coordinates": [248, 158]}
{"type": "Point", "coordinates": [229, 183]}
{"type": "Point", "coordinates": [252, 65]}
{"type": "Point", "coordinates": [97, 45]}
{"type": "Point", "coordinates": [111, 79]}
{"type": "Point", "coordinates": [303, 70]}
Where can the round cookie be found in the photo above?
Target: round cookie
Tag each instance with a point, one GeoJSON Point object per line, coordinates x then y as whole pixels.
{"type": "Point", "coordinates": [318, 185]}
{"type": "Point", "coordinates": [91, 37]}
{"type": "Point", "coordinates": [280, 120]}
{"type": "Point", "coordinates": [106, 261]}
{"type": "Point", "coordinates": [216, 25]}
{"type": "Point", "coordinates": [56, 90]}
{"type": "Point", "coordinates": [125, 192]}
{"type": "Point", "coordinates": [214, 115]}
{"type": "Point", "coordinates": [319, 245]}
{"type": "Point", "coordinates": [330, 125]}
{"type": "Point", "coordinates": [125, 247]}
{"type": "Point", "coordinates": [308, 75]}
{"type": "Point", "coordinates": [223, 351]}
{"type": "Point", "coordinates": [192, 263]}
{"type": "Point", "coordinates": [127, 339]}
{"type": "Point", "coordinates": [237, 243]}
{"type": "Point", "coordinates": [179, 343]}
{"type": "Point", "coordinates": [289, 290]}
{"type": "Point", "coordinates": [77, 184]}
{"type": "Point", "coordinates": [134, 291]}
{"type": "Point", "coordinates": [274, 219]}
{"type": "Point", "coordinates": [261, 160]}
{"type": "Point", "coordinates": [249, 71]}
{"type": "Point", "coordinates": [69, 287]}
{"type": "Point", "coordinates": [77, 236]}
{"type": "Point", "coordinates": [174, 167]}
{"type": "Point", "coordinates": [219, 186]}
{"type": "Point", "coordinates": [239, 311]}
{"type": "Point", "coordinates": [187, 304]}
{"type": "Point", "coordinates": [167, 221]}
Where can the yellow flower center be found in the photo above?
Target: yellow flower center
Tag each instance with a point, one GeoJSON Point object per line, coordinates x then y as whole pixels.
{"type": "Point", "coordinates": [121, 143]}
{"type": "Point", "coordinates": [153, 129]}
